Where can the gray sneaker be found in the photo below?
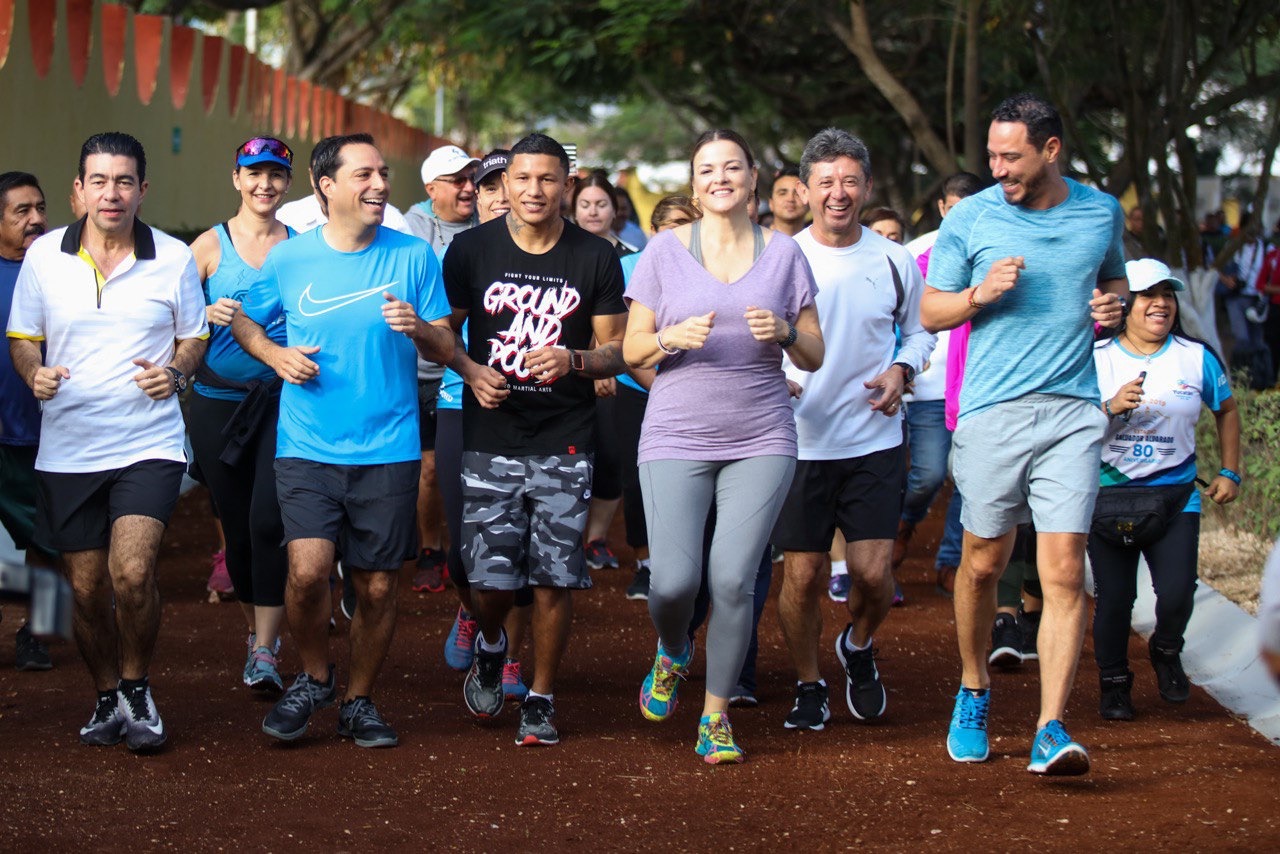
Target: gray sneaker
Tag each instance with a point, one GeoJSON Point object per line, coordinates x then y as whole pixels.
{"type": "Point", "coordinates": [143, 730]}
{"type": "Point", "coordinates": [106, 727]}
{"type": "Point", "coordinates": [290, 716]}
{"type": "Point", "coordinates": [359, 721]}
{"type": "Point", "coordinates": [537, 722]}
{"type": "Point", "coordinates": [482, 689]}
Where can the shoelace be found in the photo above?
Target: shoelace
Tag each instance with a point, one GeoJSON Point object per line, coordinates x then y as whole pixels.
{"type": "Point", "coordinates": [299, 696]}
{"type": "Point", "coordinates": [510, 673]}
{"type": "Point", "coordinates": [537, 711]}
{"type": "Point", "coordinates": [720, 732]}
{"type": "Point", "coordinates": [666, 675]}
{"type": "Point", "coordinates": [104, 710]}
{"type": "Point", "coordinates": [466, 634]}
{"type": "Point", "coordinates": [862, 665]}
{"type": "Point", "coordinates": [973, 712]}
{"type": "Point", "coordinates": [137, 700]}
{"type": "Point", "coordinates": [365, 714]}
{"type": "Point", "coordinates": [263, 657]}
{"type": "Point", "coordinates": [1054, 735]}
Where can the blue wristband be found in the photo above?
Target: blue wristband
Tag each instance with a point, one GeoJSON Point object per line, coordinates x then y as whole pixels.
{"type": "Point", "coordinates": [1231, 476]}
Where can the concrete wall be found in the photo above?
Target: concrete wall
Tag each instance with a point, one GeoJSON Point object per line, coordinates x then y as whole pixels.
{"type": "Point", "coordinates": [189, 148]}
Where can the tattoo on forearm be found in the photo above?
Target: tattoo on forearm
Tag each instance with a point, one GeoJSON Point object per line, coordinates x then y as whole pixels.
{"type": "Point", "coordinates": [602, 362]}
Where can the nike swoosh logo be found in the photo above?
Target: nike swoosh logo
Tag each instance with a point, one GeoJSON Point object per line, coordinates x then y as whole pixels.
{"type": "Point", "coordinates": [156, 728]}
{"type": "Point", "coordinates": [309, 306]}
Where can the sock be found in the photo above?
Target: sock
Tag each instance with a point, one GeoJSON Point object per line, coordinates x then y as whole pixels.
{"type": "Point", "coordinates": [820, 681]}
{"type": "Point", "coordinates": [500, 646]}
{"type": "Point", "coordinates": [112, 695]}
{"type": "Point", "coordinates": [642, 564]}
{"type": "Point", "coordinates": [976, 692]}
{"type": "Point", "coordinates": [853, 646]}
{"type": "Point", "coordinates": [133, 684]}
{"type": "Point", "coordinates": [550, 698]}
{"type": "Point", "coordinates": [839, 567]}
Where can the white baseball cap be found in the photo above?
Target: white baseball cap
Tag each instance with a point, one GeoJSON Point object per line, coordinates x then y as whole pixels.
{"type": "Point", "coordinates": [445, 160]}
{"type": "Point", "coordinates": [1148, 272]}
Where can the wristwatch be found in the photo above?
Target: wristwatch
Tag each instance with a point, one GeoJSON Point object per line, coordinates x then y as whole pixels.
{"type": "Point", "coordinates": [576, 361]}
{"type": "Point", "coordinates": [908, 372]}
{"type": "Point", "coordinates": [179, 379]}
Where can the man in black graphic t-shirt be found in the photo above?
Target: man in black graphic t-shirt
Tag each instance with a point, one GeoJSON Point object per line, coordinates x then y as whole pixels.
{"type": "Point", "coordinates": [536, 290]}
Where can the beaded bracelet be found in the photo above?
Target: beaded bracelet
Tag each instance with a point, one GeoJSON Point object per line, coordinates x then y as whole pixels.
{"type": "Point", "coordinates": [973, 303]}
{"type": "Point", "coordinates": [792, 334]}
{"type": "Point", "coordinates": [1231, 476]}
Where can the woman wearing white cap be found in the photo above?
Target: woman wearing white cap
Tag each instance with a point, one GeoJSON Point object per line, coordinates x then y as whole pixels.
{"type": "Point", "coordinates": [1153, 379]}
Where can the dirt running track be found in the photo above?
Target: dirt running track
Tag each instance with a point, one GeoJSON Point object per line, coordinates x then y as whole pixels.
{"type": "Point", "coordinates": [1190, 778]}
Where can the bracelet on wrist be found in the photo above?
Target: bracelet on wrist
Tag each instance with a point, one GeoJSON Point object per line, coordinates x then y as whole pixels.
{"type": "Point", "coordinates": [792, 334]}
{"type": "Point", "coordinates": [973, 302]}
{"type": "Point", "coordinates": [1106, 407]}
{"type": "Point", "coordinates": [670, 351]}
{"type": "Point", "coordinates": [1230, 475]}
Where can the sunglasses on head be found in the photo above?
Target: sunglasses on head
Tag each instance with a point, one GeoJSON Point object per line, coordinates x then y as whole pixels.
{"type": "Point", "coordinates": [259, 144]}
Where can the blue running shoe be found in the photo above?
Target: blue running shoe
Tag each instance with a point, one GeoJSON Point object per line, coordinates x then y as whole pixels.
{"type": "Point", "coordinates": [967, 738]}
{"type": "Point", "coordinates": [1053, 753]}
{"type": "Point", "coordinates": [658, 691]}
{"type": "Point", "coordinates": [459, 646]}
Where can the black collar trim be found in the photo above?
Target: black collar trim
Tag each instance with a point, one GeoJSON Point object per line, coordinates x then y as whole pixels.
{"type": "Point", "coordinates": [144, 243]}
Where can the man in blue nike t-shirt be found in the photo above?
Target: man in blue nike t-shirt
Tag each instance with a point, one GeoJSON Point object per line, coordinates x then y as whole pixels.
{"type": "Point", "coordinates": [359, 301]}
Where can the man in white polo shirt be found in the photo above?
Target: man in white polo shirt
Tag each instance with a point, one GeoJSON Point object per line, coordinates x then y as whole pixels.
{"type": "Point", "coordinates": [118, 308]}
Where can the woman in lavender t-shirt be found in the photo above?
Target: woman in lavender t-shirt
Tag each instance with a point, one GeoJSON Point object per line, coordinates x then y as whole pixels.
{"type": "Point", "coordinates": [713, 305]}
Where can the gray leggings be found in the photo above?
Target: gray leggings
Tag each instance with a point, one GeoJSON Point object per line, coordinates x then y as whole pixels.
{"type": "Point", "coordinates": [677, 497]}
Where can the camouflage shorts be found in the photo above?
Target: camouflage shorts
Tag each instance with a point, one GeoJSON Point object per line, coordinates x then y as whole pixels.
{"type": "Point", "coordinates": [523, 518]}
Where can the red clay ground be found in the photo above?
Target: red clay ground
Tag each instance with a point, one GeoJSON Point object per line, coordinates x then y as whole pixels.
{"type": "Point", "coordinates": [1190, 778]}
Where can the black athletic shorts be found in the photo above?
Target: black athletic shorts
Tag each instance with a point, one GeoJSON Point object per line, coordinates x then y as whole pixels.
{"type": "Point", "coordinates": [863, 495]}
{"type": "Point", "coordinates": [368, 512]}
{"type": "Point", "coordinates": [428, 391]}
{"type": "Point", "coordinates": [75, 510]}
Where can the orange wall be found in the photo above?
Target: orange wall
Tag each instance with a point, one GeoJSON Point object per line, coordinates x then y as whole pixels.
{"type": "Point", "coordinates": [48, 116]}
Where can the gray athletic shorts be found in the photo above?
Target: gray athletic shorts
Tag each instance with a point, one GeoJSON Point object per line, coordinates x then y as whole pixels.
{"type": "Point", "coordinates": [523, 518]}
{"type": "Point", "coordinates": [1034, 459]}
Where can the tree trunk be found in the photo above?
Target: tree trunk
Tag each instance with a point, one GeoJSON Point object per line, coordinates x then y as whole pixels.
{"type": "Point", "coordinates": [973, 148]}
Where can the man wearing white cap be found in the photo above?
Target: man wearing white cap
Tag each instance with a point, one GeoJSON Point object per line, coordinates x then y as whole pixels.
{"type": "Point", "coordinates": [448, 175]}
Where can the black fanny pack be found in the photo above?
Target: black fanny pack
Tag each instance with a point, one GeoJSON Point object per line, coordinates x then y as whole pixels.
{"type": "Point", "coordinates": [1137, 516]}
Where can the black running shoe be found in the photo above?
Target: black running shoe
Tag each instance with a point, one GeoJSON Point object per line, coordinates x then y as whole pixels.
{"type": "Point", "coordinates": [863, 690]}
{"type": "Point", "coordinates": [639, 586]}
{"type": "Point", "coordinates": [537, 722]}
{"type": "Point", "coordinates": [1116, 701]}
{"type": "Point", "coordinates": [1171, 679]}
{"type": "Point", "coordinates": [1006, 642]}
{"type": "Point", "coordinates": [107, 725]}
{"type": "Point", "coordinates": [1029, 627]}
{"type": "Point", "coordinates": [143, 729]}
{"type": "Point", "coordinates": [289, 718]}
{"type": "Point", "coordinates": [358, 720]}
{"type": "Point", "coordinates": [30, 653]}
{"type": "Point", "coordinates": [811, 709]}
{"type": "Point", "coordinates": [482, 689]}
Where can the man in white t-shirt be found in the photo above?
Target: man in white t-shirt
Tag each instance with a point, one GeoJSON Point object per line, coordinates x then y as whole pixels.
{"type": "Point", "coordinates": [851, 471]}
{"type": "Point", "coordinates": [118, 308]}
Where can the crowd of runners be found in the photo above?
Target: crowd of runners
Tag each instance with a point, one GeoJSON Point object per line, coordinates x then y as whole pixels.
{"type": "Point", "coordinates": [516, 355]}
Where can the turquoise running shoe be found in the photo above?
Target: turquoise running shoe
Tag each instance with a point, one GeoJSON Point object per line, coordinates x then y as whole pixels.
{"type": "Point", "coordinates": [967, 737]}
{"type": "Point", "coordinates": [658, 691]}
{"type": "Point", "coordinates": [1054, 754]}
{"type": "Point", "coordinates": [715, 740]}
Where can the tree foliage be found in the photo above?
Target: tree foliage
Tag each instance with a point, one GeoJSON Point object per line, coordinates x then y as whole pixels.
{"type": "Point", "coordinates": [1148, 90]}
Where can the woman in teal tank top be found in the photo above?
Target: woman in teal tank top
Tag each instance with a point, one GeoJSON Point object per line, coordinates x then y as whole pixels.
{"type": "Point", "coordinates": [232, 414]}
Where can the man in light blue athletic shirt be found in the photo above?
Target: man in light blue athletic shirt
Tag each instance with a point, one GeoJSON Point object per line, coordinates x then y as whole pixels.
{"type": "Point", "coordinates": [1033, 263]}
{"type": "Point", "coordinates": [359, 302]}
